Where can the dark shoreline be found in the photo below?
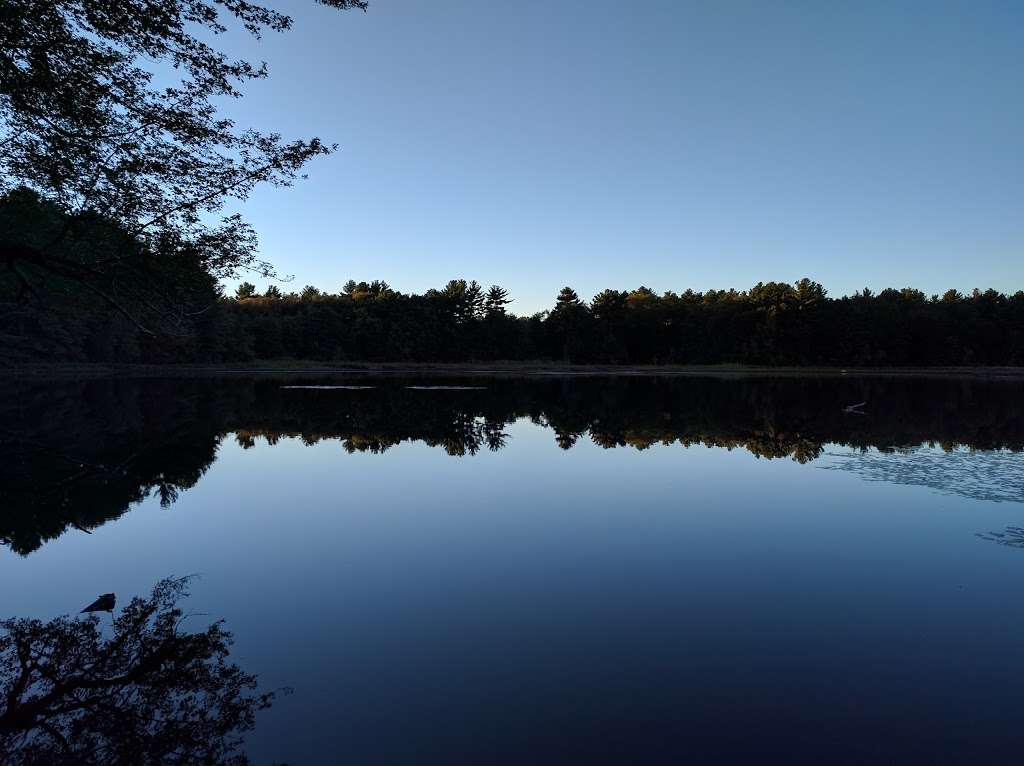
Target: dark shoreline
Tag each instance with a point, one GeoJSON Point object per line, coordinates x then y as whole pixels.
{"type": "Point", "coordinates": [484, 369]}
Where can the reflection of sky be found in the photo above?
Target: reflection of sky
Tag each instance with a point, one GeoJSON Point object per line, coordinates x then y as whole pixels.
{"type": "Point", "coordinates": [996, 475]}
{"type": "Point", "coordinates": [413, 599]}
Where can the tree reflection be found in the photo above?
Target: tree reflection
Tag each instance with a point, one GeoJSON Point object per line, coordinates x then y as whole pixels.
{"type": "Point", "coordinates": [147, 693]}
{"type": "Point", "coordinates": [79, 454]}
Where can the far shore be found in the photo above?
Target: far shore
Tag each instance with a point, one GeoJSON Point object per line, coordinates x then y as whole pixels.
{"type": "Point", "coordinates": [482, 369]}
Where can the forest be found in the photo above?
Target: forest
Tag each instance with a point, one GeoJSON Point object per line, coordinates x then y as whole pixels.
{"type": "Point", "coordinates": [101, 297]}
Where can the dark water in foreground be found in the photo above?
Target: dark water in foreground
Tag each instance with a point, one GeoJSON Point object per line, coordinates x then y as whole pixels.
{"type": "Point", "coordinates": [627, 570]}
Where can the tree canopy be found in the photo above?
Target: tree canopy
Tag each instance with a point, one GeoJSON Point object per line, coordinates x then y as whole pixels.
{"type": "Point", "coordinates": [187, 317]}
{"type": "Point", "coordinates": [108, 112]}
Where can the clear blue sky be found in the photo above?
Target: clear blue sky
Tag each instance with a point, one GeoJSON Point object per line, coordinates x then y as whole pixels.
{"type": "Point", "coordinates": [672, 144]}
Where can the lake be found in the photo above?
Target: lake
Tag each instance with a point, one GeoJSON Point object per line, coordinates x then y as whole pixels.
{"type": "Point", "coordinates": [548, 569]}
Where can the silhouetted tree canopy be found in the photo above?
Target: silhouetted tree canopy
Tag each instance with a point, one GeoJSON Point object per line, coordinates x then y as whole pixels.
{"type": "Point", "coordinates": [147, 693]}
{"type": "Point", "coordinates": [496, 301]}
{"type": "Point", "coordinates": [770, 324]}
{"type": "Point", "coordinates": [147, 306]}
{"type": "Point", "coordinates": [91, 124]}
{"type": "Point", "coordinates": [187, 317]}
{"type": "Point", "coordinates": [248, 290]}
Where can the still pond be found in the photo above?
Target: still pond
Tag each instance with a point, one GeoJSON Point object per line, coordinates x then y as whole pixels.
{"type": "Point", "coordinates": [500, 570]}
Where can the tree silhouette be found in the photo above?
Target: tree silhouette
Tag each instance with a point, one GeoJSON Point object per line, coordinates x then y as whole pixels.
{"type": "Point", "coordinates": [569, 326]}
{"type": "Point", "coordinates": [773, 323]}
{"type": "Point", "coordinates": [246, 290]}
{"type": "Point", "coordinates": [566, 301]}
{"type": "Point", "coordinates": [496, 300]}
{"type": "Point", "coordinates": [609, 305]}
{"type": "Point", "coordinates": [148, 693]}
{"type": "Point", "coordinates": [84, 125]}
{"type": "Point", "coordinates": [464, 299]}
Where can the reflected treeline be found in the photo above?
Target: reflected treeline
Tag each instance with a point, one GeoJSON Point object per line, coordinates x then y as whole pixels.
{"type": "Point", "coordinates": [142, 690]}
{"type": "Point", "coordinates": [78, 454]}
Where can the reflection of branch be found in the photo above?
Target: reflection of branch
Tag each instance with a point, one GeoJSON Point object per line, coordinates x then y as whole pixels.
{"type": "Point", "coordinates": [75, 695]}
{"type": "Point", "coordinates": [64, 744]}
{"type": "Point", "coordinates": [75, 524]}
{"type": "Point", "coordinates": [40, 447]}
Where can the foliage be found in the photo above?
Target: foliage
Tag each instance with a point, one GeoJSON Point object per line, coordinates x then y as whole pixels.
{"type": "Point", "coordinates": [147, 307]}
{"type": "Point", "coordinates": [149, 693]}
{"type": "Point", "coordinates": [108, 111]}
{"type": "Point", "coordinates": [156, 309]}
{"type": "Point", "coordinates": [773, 323]}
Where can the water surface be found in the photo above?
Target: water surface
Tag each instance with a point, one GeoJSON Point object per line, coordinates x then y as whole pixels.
{"type": "Point", "coordinates": [553, 570]}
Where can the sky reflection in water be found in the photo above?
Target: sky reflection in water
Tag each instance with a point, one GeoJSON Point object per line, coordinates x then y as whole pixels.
{"type": "Point", "coordinates": [704, 574]}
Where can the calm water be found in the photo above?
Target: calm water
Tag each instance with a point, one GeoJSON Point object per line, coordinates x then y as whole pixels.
{"type": "Point", "coordinates": [522, 571]}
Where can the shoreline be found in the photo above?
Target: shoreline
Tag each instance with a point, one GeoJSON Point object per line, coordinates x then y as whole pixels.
{"type": "Point", "coordinates": [485, 369]}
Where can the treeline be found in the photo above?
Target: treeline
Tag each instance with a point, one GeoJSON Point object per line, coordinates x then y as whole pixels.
{"type": "Point", "coordinates": [770, 324]}
{"type": "Point", "coordinates": [98, 296]}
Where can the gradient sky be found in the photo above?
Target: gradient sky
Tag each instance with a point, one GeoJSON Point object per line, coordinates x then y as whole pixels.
{"type": "Point", "coordinates": [672, 144]}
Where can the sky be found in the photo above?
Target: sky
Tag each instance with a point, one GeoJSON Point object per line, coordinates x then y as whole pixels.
{"type": "Point", "coordinates": [673, 144]}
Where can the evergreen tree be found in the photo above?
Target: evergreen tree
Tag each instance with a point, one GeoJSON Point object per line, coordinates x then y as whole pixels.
{"type": "Point", "coordinates": [566, 301]}
{"type": "Point", "coordinates": [496, 300]}
{"type": "Point", "coordinates": [245, 290]}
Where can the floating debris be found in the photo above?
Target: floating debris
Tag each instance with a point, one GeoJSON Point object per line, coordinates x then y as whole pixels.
{"type": "Point", "coordinates": [447, 388]}
{"type": "Point", "coordinates": [333, 388]}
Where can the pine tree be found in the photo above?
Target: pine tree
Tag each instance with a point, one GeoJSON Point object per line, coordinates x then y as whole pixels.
{"type": "Point", "coordinates": [497, 299]}
{"type": "Point", "coordinates": [245, 290]}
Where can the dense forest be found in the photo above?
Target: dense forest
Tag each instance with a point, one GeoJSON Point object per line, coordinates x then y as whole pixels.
{"type": "Point", "coordinates": [772, 323]}
{"type": "Point", "coordinates": [79, 454]}
{"type": "Point", "coordinates": [102, 297]}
